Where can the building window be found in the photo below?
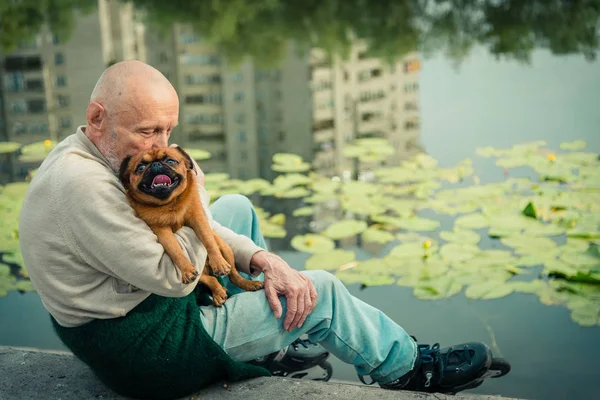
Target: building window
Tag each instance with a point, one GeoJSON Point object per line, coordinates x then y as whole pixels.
{"type": "Point", "coordinates": [238, 97]}
{"type": "Point", "coordinates": [243, 173]}
{"type": "Point", "coordinates": [65, 122]}
{"type": "Point", "coordinates": [201, 59]}
{"type": "Point", "coordinates": [240, 118]}
{"type": "Point", "coordinates": [55, 39]}
{"type": "Point", "coordinates": [36, 105]}
{"type": "Point", "coordinates": [410, 106]}
{"type": "Point", "coordinates": [244, 155]}
{"type": "Point", "coordinates": [38, 128]}
{"type": "Point", "coordinates": [59, 59]}
{"type": "Point", "coordinates": [19, 106]}
{"type": "Point", "coordinates": [19, 128]}
{"type": "Point", "coordinates": [188, 38]}
{"type": "Point", "coordinates": [34, 85]}
{"type": "Point", "coordinates": [63, 101]}
{"type": "Point", "coordinates": [238, 77]}
{"type": "Point", "coordinates": [162, 57]}
{"type": "Point", "coordinates": [211, 98]}
{"type": "Point", "coordinates": [242, 136]}
{"type": "Point", "coordinates": [61, 81]}
{"type": "Point", "coordinates": [15, 82]}
{"type": "Point", "coordinates": [411, 124]}
{"type": "Point", "coordinates": [411, 87]}
{"type": "Point", "coordinates": [197, 79]}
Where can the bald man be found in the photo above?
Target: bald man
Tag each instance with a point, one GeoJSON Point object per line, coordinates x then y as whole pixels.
{"type": "Point", "coordinates": [117, 301]}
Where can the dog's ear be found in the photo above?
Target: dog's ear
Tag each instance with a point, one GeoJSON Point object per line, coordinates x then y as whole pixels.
{"type": "Point", "coordinates": [123, 174]}
{"type": "Point", "coordinates": [187, 157]}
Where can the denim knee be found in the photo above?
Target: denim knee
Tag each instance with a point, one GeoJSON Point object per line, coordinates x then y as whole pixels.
{"type": "Point", "coordinates": [236, 204]}
{"type": "Point", "coordinates": [323, 280]}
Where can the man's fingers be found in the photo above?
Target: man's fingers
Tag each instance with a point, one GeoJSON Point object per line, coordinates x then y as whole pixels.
{"type": "Point", "coordinates": [300, 312]}
{"type": "Point", "coordinates": [292, 309]}
{"type": "Point", "coordinates": [307, 309]}
{"type": "Point", "coordinates": [273, 300]}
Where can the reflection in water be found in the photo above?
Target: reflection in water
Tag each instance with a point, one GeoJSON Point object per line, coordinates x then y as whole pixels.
{"type": "Point", "coordinates": [310, 89]}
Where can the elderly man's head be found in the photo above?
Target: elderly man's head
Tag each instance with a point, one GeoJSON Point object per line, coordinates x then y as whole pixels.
{"type": "Point", "coordinates": [133, 108]}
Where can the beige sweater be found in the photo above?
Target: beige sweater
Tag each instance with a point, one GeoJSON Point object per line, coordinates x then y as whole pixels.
{"type": "Point", "coordinates": [87, 254]}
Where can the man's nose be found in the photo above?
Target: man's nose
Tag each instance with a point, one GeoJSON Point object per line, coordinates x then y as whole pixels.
{"type": "Point", "coordinates": [160, 141]}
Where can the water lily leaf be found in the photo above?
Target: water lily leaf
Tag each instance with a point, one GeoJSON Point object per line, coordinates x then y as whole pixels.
{"type": "Point", "coordinates": [319, 198]}
{"type": "Point", "coordinates": [500, 233]}
{"type": "Point", "coordinates": [545, 230]}
{"type": "Point", "coordinates": [312, 243]}
{"type": "Point", "coordinates": [16, 258]}
{"type": "Point", "coordinates": [461, 236]}
{"type": "Point", "coordinates": [293, 193]}
{"type": "Point", "coordinates": [580, 260]}
{"type": "Point", "coordinates": [418, 224]}
{"type": "Point", "coordinates": [455, 252]}
{"type": "Point", "coordinates": [24, 285]}
{"type": "Point", "coordinates": [377, 236]}
{"type": "Point", "coordinates": [270, 230]}
{"type": "Point", "coordinates": [378, 280]}
{"type": "Point", "coordinates": [586, 318]}
{"type": "Point", "coordinates": [198, 154]}
{"type": "Point", "coordinates": [413, 250]}
{"type": "Point", "coordinates": [471, 221]}
{"type": "Point", "coordinates": [441, 287]}
{"type": "Point", "coordinates": [215, 178]}
{"type": "Point", "coordinates": [344, 229]}
{"type": "Point", "coordinates": [331, 260]}
{"type": "Point", "coordinates": [529, 244]}
{"type": "Point", "coordinates": [9, 147]}
{"type": "Point", "coordinates": [302, 167]}
{"type": "Point", "coordinates": [7, 283]}
{"type": "Point", "coordinates": [287, 158]}
{"type": "Point", "coordinates": [575, 145]}
{"type": "Point", "coordinates": [36, 152]}
{"type": "Point", "coordinates": [488, 290]}
{"type": "Point", "coordinates": [531, 260]}
{"type": "Point", "coordinates": [529, 211]}
{"type": "Point", "coordinates": [303, 212]}
{"type": "Point", "coordinates": [531, 287]}
{"type": "Point", "coordinates": [554, 267]}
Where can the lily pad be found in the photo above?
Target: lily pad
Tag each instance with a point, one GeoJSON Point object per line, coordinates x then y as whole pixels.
{"type": "Point", "coordinates": [303, 212]}
{"type": "Point", "coordinates": [9, 147]}
{"type": "Point", "coordinates": [344, 229]}
{"type": "Point", "coordinates": [198, 154]}
{"type": "Point", "coordinates": [312, 243]}
{"type": "Point", "coordinates": [377, 236]}
{"type": "Point", "coordinates": [575, 145]}
{"type": "Point", "coordinates": [331, 260]}
{"type": "Point", "coordinates": [461, 236]}
{"type": "Point", "coordinates": [488, 290]}
{"type": "Point", "coordinates": [472, 221]}
{"type": "Point", "coordinates": [418, 224]}
{"type": "Point", "coordinates": [454, 252]}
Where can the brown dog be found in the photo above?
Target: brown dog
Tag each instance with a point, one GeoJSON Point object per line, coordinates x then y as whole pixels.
{"type": "Point", "coordinates": [162, 189]}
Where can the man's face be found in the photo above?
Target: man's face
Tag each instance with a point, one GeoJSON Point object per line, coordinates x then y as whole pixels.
{"type": "Point", "coordinates": [145, 123]}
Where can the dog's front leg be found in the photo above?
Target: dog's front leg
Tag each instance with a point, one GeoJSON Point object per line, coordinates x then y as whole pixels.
{"type": "Point", "coordinates": [198, 222]}
{"type": "Point", "coordinates": [166, 237]}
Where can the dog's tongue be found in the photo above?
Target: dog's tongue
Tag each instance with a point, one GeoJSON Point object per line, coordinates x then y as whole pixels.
{"type": "Point", "coordinates": [160, 179]}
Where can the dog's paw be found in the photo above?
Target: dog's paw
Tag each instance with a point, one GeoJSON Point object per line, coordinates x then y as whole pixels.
{"type": "Point", "coordinates": [189, 275]}
{"type": "Point", "coordinates": [255, 285]}
{"type": "Point", "coordinates": [220, 267]}
{"type": "Point", "coordinates": [219, 297]}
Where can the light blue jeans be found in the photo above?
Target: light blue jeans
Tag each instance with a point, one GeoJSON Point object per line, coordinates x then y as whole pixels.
{"type": "Point", "coordinates": [347, 327]}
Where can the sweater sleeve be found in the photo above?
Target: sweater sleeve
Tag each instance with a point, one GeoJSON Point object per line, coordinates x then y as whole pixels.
{"type": "Point", "coordinates": [100, 226]}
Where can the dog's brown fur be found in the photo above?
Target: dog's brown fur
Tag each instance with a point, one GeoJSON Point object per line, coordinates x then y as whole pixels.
{"type": "Point", "coordinates": [166, 212]}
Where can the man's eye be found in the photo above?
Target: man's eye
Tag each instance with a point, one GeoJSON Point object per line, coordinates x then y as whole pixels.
{"type": "Point", "coordinates": [140, 168]}
{"type": "Point", "coordinates": [172, 162]}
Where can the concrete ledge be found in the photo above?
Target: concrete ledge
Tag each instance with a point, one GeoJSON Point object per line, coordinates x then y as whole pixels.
{"type": "Point", "coordinates": [32, 374]}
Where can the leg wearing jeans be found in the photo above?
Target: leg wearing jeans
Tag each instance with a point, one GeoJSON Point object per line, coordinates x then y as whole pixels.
{"type": "Point", "coordinates": [350, 329]}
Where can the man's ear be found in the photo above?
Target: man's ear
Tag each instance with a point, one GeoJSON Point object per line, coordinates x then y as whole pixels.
{"type": "Point", "coordinates": [123, 174]}
{"type": "Point", "coordinates": [187, 157]}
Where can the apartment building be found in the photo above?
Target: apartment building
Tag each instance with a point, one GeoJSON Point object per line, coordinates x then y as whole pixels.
{"type": "Point", "coordinates": [363, 97]}
{"type": "Point", "coordinates": [241, 114]}
{"type": "Point", "coordinates": [46, 83]}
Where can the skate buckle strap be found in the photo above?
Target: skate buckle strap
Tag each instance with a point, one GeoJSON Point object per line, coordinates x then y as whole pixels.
{"type": "Point", "coordinates": [430, 361]}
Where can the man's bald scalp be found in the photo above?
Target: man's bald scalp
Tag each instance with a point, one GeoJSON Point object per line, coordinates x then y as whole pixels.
{"type": "Point", "coordinates": [118, 81]}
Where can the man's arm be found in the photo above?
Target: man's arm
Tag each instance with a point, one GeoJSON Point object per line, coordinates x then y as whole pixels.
{"type": "Point", "coordinates": [100, 226]}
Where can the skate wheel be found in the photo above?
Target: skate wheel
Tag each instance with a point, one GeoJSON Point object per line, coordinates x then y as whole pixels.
{"type": "Point", "coordinates": [500, 364]}
{"type": "Point", "coordinates": [326, 365]}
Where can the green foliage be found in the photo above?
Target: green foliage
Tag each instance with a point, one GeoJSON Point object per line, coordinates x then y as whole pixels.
{"type": "Point", "coordinates": [263, 28]}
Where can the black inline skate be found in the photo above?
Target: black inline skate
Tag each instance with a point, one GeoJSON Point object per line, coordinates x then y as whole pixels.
{"type": "Point", "coordinates": [302, 359]}
{"type": "Point", "coordinates": [451, 369]}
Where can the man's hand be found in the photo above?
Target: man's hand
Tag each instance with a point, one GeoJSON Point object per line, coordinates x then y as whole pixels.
{"type": "Point", "coordinates": [281, 279]}
{"type": "Point", "coordinates": [197, 169]}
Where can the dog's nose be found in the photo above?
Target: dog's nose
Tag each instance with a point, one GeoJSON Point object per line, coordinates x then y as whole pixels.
{"type": "Point", "coordinates": [156, 166]}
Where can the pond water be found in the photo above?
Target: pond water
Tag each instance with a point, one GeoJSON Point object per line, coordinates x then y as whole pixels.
{"type": "Point", "coordinates": [482, 102]}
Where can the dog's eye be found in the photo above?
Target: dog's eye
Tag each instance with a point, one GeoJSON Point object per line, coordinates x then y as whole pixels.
{"type": "Point", "coordinates": [140, 168]}
{"type": "Point", "coordinates": [172, 162]}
